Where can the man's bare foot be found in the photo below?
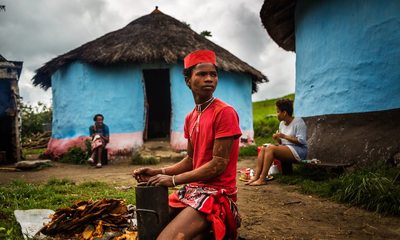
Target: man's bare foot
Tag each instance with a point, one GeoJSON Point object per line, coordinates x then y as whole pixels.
{"type": "Point", "coordinates": [258, 182]}
{"type": "Point", "coordinates": [253, 179]}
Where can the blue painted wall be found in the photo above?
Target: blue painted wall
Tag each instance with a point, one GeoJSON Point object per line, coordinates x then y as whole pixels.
{"type": "Point", "coordinates": [233, 88]}
{"type": "Point", "coordinates": [81, 90]}
{"type": "Point", "coordinates": [347, 56]}
{"type": "Point", "coordinates": [181, 98]}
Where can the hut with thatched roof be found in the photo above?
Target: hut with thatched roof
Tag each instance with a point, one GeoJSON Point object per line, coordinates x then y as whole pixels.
{"type": "Point", "coordinates": [133, 76]}
{"type": "Point", "coordinates": [347, 74]}
{"type": "Point", "coordinates": [10, 145]}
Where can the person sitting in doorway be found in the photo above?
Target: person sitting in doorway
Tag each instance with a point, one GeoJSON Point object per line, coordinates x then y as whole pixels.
{"type": "Point", "coordinates": [291, 143]}
{"type": "Point", "coordinates": [100, 135]}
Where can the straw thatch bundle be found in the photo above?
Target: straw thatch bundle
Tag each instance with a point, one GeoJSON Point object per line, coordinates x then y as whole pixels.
{"type": "Point", "coordinates": [153, 38]}
{"type": "Point", "coordinates": [278, 18]}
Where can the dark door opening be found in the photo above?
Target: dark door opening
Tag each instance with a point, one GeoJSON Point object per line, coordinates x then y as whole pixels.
{"type": "Point", "coordinates": [6, 143]}
{"type": "Point", "coordinates": [158, 94]}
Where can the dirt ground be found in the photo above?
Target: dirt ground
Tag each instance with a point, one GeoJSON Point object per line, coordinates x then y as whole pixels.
{"type": "Point", "coordinates": [274, 211]}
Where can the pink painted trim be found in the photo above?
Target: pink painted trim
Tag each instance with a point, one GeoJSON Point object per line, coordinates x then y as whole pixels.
{"type": "Point", "coordinates": [124, 143]}
{"type": "Point", "coordinates": [178, 141]}
{"type": "Point", "coordinates": [249, 134]}
{"type": "Point", "coordinates": [120, 144]}
{"type": "Point", "coordinates": [57, 147]}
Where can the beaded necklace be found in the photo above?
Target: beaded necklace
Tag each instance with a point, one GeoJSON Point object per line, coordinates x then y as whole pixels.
{"type": "Point", "coordinates": [200, 111]}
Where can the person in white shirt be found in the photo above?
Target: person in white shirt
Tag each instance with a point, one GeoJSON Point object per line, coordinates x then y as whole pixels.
{"type": "Point", "coordinates": [291, 143]}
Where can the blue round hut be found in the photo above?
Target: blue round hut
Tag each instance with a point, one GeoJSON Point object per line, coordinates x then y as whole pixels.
{"type": "Point", "coordinates": [133, 76]}
{"type": "Point", "coordinates": [347, 74]}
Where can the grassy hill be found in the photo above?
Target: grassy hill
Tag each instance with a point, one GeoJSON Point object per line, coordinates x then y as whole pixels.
{"type": "Point", "coordinates": [265, 108]}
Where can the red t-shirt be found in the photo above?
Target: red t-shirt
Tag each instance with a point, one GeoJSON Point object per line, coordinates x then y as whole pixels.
{"type": "Point", "coordinates": [218, 120]}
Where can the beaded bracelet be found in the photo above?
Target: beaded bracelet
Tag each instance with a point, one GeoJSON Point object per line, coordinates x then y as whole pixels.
{"type": "Point", "coordinates": [173, 180]}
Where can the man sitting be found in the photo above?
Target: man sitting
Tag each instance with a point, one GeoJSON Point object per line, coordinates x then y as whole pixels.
{"type": "Point", "coordinates": [100, 135]}
{"type": "Point", "coordinates": [207, 200]}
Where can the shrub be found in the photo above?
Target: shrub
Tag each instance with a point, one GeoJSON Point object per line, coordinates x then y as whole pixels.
{"type": "Point", "coordinates": [33, 119]}
{"type": "Point", "coordinates": [138, 159]}
{"type": "Point", "coordinates": [263, 129]}
{"type": "Point", "coordinates": [250, 150]}
{"type": "Point", "coordinates": [375, 188]}
{"type": "Point", "coordinates": [266, 127]}
{"type": "Point", "coordinates": [77, 155]}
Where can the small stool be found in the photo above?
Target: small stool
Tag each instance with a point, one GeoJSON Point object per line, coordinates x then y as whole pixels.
{"type": "Point", "coordinates": [104, 157]}
{"type": "Point", "coordinates": [287, 167]}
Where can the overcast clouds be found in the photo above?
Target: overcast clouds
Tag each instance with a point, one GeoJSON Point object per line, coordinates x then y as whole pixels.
{"type": "Point", "coordinates": [36, 31]}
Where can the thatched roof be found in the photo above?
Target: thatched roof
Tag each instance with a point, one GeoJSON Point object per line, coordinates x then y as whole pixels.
{"type": "Point", "coordinates": [9, 69]}
{"type": "Point", "coordinates": [278, 18]}
{"type": "Point", "coordinates": [152, 38]}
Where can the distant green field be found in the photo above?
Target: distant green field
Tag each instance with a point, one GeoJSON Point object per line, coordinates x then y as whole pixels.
{"type": "Point", "coordinates": [263, 109]}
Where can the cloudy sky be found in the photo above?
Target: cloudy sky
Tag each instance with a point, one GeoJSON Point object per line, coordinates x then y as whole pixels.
{"type": "Point", "coordinates": [36, 31]}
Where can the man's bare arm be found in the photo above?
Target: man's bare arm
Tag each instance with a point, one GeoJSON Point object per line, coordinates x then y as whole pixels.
{"type": "Point", "coordinates": [215, 167]}
{"type": "Point", "coordinates": [186, 164]}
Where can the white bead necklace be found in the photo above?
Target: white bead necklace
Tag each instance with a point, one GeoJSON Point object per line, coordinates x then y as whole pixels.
{"type": "Point", "coordinates": [209, 101]}
{"type": "Point", "coordinates": [198, 109]}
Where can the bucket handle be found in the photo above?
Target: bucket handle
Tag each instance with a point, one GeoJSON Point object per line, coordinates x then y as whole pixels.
{"type": "Point", "coordinates": [139, 211]}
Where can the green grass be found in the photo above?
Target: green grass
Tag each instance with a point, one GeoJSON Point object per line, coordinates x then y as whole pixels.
{"type": "Point", "coordinates": [250, 150]}
{"type": "Point", "coordinates": [138, 159]}
{"type": "Point", "coordinates": [264, 129]}
{"type": "Point", "coordinates": [263, 109]}
{"type": "Point", "coordinates": [54, 194]}
{"type": "Point", "coordinates": [263, 139]}
{"type": "Point", "coordinates": [375, 188]}
{"type": "Point", "coordinates": [28, 151]}
{"type": "Point", "coordinates": [77, 155]}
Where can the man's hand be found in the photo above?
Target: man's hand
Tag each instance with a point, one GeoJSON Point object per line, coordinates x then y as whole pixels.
{"type": "Point", "coordinates": [161, 180]}
{"type": "Point", "coordinates": [105, 139]}
{"type": "Point", "coordinates": [144, 174]}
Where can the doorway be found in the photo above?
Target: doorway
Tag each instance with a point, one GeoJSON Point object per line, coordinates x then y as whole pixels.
{"type": "Point", "coordinates": [158, 103]}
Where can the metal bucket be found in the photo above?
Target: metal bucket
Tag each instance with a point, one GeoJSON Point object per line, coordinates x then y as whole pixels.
{"type": "Point", "coordinates": [152, 211]}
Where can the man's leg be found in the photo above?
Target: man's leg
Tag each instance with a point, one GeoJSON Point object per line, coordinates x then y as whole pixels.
{"type": "Point", "coordinates": [97, 159]}
{"type": "Point", "coordinates": [92, 157]}
{"type": "Point", "coordinates": [99, 154]}
{"type": "Point", "coordinates": [173, 212]}
{"type": "Point", "coordinates": [279, 152]}
{"type": "Point", "coordinates": [188, 224]}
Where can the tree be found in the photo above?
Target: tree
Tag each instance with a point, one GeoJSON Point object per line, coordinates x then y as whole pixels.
{"type": "Point", "coordinates": [34, 118]}
{"type": "Point", "coordinates": [187, 24]}
{"type": "Point", "coordinates": [206, 33]}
